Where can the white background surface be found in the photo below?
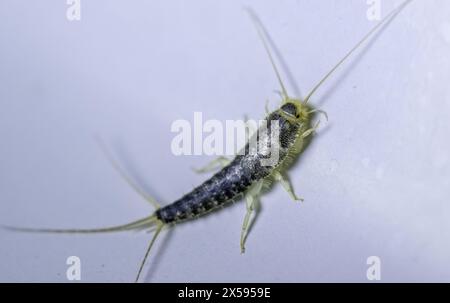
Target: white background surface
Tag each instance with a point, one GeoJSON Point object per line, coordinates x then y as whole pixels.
{"type": "Point", "coordinates": [375, 179]}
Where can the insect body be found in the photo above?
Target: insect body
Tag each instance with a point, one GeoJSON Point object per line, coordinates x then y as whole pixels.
{"type": "Point", "coordinates": [245, 175]}
{"type": "Point", "coordinates": [245, 171]}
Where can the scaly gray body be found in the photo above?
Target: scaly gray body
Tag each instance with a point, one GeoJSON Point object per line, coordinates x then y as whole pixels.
{"type": "Point", "coordinates": [235, 179]}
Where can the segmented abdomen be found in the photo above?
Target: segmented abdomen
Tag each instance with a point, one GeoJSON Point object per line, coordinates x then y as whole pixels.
{"type": "Point", "coordinates": [228, 184]}
{"type": "Point", "coordinates": [233, 180]}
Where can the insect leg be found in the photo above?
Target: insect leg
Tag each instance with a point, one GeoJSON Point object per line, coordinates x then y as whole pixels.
{"type": "Point", "coordinates": [220, 162]}
{"type": "Point", "coordinates": [252, 203]}
{"type": "Point", "coordinates": [322, 112]}
{"type": "Point", "coordinates": [311, 130]}
{"type": "Point", "coordinates": [286, 185]}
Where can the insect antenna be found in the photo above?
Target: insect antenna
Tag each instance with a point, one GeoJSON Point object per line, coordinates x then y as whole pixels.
{"type": "Point", "coordinates": [383, 22]}
{"type": "Point", "coordinates": [260, 31]}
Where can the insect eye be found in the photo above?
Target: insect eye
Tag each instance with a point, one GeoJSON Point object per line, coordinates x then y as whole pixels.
{"type": "Point", "coordinates": [290, 109]}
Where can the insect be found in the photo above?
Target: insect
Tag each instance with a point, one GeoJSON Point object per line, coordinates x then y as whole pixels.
{"type": "Point", "coordinates": [245, 175]}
